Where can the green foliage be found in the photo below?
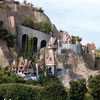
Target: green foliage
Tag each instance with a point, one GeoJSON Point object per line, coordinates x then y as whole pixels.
{"type": "Point", "coordinates": [7, 76]}
{"type": "Point", "coordinates": [44, 65]}
{"type": "Point", "coordinates": [43, 26]}
{"type": "Point", "coordinates": [5, 35]}
{"type": "Point", "coordinates": [38, 10]}
{"type": "Point", "coordinates": [77, 90]}
{"type": "Point", "coordinates": [98, 53]}
{"type": "Point", "coordinates": [88, 97]}
{"type": "Point", "coordinates": [76, 38]}
{"type": "Point", "coordinates": [32, 47]}
{"type": "Point", "coordinates": [29, 49]}
{"type": "Point", "coordinates": [26, 46]}
{"type": "Point", "coordinates": [49, 80]}
{"type": "Point", "coordinates": [19, 92]}
{"type": "Point", "coordinates": [16, 2]}
{"type": "Point", "coordinates": [28, 23]}
{"type": "Point", "coordinates": [53, 92]}
{"type": "Point", "coordinates": [94, 86]}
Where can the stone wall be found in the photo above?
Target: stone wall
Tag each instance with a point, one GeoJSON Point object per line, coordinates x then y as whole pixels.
{"type": "Point", "coordinates": [31, 33]}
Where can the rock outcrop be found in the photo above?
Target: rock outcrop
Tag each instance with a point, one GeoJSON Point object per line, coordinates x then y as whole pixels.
{"type": "Point", "coordinates": [6, 54]}
{"type": "Point", "coordinates": [67, 59]}
{"type": "Point", "coordinates": [13, 14]}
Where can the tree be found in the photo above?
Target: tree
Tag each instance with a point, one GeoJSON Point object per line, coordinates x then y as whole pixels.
{"type": "Point", "coordinates": [77, 89]}
{"type": "Point", "coordinates": [26, 46]}
{"type": "Point", "coordinates": [29, 49]}
{"type": "Point", "coordinates": [53, 92]}
{"type": "Point", "coordinates": [44, 65]}
{"type": "Point", "coordinates": [94, 86]}
{"type": "Point", "coordinates": [76, 38]}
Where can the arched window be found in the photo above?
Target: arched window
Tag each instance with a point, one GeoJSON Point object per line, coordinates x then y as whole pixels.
{"type": "Point", "coordinates": [43, 43]}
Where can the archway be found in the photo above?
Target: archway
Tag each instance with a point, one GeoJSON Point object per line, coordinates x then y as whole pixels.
{"type": "Point", "coordinates": [43, 43]}
{"type": "Point", "coordinates": [24, 42]}
{"type": "Point", "coordinates": [35, 41]}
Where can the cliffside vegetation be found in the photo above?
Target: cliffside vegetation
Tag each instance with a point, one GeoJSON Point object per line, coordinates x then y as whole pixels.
{"type": "Point", "coordinates": [76, 38]}
{"type": "Point", "coordinates": [98, 53]}
{"type": "Point", "coordinates": [6, 36]}
{"type": "Point", "coordinates": [43, 26]}
{"type": "Point", "coordinates": [38, 9]}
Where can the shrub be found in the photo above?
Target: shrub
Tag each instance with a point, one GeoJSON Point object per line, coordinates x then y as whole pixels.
{"type": "Point", "coordinates": [19, 92]}
{"type": "Point", "coordinates": [5, 35]}
{"type": "Point", "coordinates": [77, 89]}
{"type": "Point", "coordinates": [38, 9]}
{"type": "Point", "coordinates": [94, 86]}
{"type": "Point", "coordinates": [49, 80]}
{"type": "Point", "coordinates": [43, 26]}
{"type": "Point", "coordinates": [28, 22]}
{"type": "Point", "coordinates": [16, 2]}
{"type": "Point", "coordinates": [76, 38]}
{"type": "Point", "coordinates": [88, 97]}
{"type": "Point", "coordinates": [53, 92]}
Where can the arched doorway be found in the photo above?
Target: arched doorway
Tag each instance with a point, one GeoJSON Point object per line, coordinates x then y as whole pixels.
{"type": "Point", "coordinates": [24, 42]}
{"type": "Point", "coordinates": [43, 43]}
{"type": "Point", "coordinates": [35, 41]}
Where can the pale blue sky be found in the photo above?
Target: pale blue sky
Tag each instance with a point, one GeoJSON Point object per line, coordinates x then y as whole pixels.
{"type": "Point", "coordinates": [77, 17]}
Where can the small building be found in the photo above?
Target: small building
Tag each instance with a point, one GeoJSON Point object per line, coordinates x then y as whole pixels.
{"type": "Point", "coordinates": [51, 62]}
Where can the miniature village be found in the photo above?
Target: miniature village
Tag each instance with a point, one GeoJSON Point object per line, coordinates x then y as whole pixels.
{"type": "Point", "coordinates": [30, 63]}
{"type": "Point", "coordinates": [25, 67]}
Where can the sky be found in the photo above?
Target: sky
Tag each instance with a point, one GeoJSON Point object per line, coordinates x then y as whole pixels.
{"type": "Point", "coordinates": [77, 17]}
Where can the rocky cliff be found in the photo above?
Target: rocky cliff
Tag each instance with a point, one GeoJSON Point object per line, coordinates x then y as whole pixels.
{"type": "Point", "coordinates": [78, 68]}
{"type": "Point", "coordinates": [13, 14]}
{"type": "Point", "coordinates": [6, 54]}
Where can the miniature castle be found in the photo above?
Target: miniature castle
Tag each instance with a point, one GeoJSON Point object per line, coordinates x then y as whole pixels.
{"type": "Point", "coordinates": [54, 46]}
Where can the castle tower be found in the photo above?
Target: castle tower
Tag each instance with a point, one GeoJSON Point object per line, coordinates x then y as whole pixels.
{"type": "Point", "coordinates": [51, 62]}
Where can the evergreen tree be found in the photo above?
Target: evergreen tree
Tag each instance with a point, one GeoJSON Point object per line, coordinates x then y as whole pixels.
{"type": "Point", "coordinates": [26, 46]}
{"type": "Point", "coordinates": [94, 86]}
{"type": "Point", "coordinates": [29, 49]}
{"type": "Point", "coordinates": [44, 65]}
{"type": "Point", "coordinates": [77, 90]}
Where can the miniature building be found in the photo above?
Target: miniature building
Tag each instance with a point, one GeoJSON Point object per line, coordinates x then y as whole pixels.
{"type": "Point", "coordinates": [65, 38]}
{"type": "Point", "coordinates": [21, 65]}
{"type": "Point", "coordinates": [51, 62]}
{"type": "Point", "coordinates": [26, 67]}
{"type": "Point", "coordinates": [91, 47]}
{"type": "Point", "coordinates": [14, 66]}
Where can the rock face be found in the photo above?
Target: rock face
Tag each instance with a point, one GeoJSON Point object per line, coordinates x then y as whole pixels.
{"type": "Point", "coordinates": [97, 64]}
{"type": "Point", "coordinates": [13, 14]}
{"type": "Point", "coordinates": [89, 60]}
{"type": "Point", "coordinates": [6, 54]}
{"type": "Point", "coordinates": [76, 65]}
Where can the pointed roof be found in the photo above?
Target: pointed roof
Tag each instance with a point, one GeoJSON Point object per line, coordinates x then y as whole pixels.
{"type": "Point", "coordinates": [52, 41]}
